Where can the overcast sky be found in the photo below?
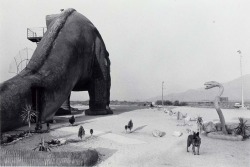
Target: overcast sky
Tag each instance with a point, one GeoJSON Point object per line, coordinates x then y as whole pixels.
{"type": "Point", "coordinates": [183, 43]}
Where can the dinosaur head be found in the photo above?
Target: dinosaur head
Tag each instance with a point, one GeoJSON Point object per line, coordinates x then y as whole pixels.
{"type": "Point", "coordinates": [212, 84]}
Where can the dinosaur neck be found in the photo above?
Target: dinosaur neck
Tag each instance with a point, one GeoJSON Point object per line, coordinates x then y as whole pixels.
{"type": "Point", "coordinates": [217, 98]}
{"type": "Point", "coordinates": [221, 89]}
{"type": "Point", "coordinates": [217, 107]}
{"type": "Point", "coordinates": [45, 46]}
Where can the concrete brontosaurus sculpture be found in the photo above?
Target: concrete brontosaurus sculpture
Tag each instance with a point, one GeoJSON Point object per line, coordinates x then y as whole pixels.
{"type": "Point", "coordinates": [70, 57]}
{"type": "Point", "coordinates": [213, 84]}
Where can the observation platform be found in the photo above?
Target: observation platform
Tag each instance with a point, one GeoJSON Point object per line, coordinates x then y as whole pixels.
{"type": "Point", "coordinates": [36, 34]}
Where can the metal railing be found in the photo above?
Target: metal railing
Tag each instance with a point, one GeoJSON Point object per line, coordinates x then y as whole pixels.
{"type": "Point", "coordinates": [36, 32]}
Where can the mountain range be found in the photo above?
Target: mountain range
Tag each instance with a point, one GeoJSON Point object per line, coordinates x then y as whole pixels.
{"type": "Point", "coordinates": [232, 90]}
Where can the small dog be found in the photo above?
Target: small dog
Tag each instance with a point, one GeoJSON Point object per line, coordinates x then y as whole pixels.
{"type": "Point", "coordinates": [199, 124]}
{"type": "Point", "coordinates": [195, 140]}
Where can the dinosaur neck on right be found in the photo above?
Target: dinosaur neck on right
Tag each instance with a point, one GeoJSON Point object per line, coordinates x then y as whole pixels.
{"type": "Point", "coordinates": [217, 98]}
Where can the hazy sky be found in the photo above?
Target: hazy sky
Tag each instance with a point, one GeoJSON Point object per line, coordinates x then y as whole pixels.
{"type": "Point", "coordinates": [182, 42]}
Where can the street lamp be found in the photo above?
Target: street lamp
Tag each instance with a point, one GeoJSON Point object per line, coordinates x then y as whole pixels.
{"type": "Point", "coordinates": [242, 94]}
{"type": "Point", "coordinates": [162, 93]}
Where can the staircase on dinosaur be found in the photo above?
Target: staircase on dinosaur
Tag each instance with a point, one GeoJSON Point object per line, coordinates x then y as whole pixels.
{"type": "Point", "coordinates": [35, 35]}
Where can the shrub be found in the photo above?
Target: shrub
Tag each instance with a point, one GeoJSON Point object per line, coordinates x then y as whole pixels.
{"type": "Point", "coordinates": [28, 115]}
{"type": "Point", "coordinates": [72, 120]}
{"type": "Point", "coordinates": [81, 132]}
{"type": "Point", "coordinates": [130, 125]}
{"type": "Point", "coordinates": [42, 146]}
{"type": "Point", "coordinates": [176, 103]}
{"type": "Point", "coordinates": [158, 102]}
{"type": "Point", "coordinates": [183, 104]}
{"type": "Point", "coordinates": [242, 128]}
{"type": "Point", "coordinates": [91, 131]}
{"type": "Point", "coordinates": [165, 102]}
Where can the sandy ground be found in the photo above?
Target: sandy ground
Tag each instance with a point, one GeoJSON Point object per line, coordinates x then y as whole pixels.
{"type": "Point", "coordinates": [139, 148]}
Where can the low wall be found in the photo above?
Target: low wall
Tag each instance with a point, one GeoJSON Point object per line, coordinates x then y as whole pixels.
{"type": "Point", "coordinates": [38, 158]}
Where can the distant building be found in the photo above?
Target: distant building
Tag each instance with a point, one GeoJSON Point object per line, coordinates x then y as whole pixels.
{"type": "Point", "coordinates": [205, 102]}
{"type": "Point", "coordinates": [223, 99]}
{"type": "Point", "coordinates": [208, 102]}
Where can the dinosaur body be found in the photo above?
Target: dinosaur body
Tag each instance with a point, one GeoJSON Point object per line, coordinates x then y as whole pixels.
{"type": "Point", "coordinates": [70, 57]}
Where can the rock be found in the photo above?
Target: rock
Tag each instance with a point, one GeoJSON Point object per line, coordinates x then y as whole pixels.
{"type": "Point", "coordinates": [177, 133]}
{"type": "Point", "coordinates": [218, 126]}
{"type": "Point", "coordinates": [231, 127]}
{"type": "Point", "coordinates": [209, 127]}
{"type": "Point", "coordinates": [187, 119]}
{"type": "Point", "coordinates": [220, 135]}
{"type": "Point", "coordinates": [22, 134]}
{"type": "Point", "coordinates": [248, 132]}
{"type": "Point", "coordinates": [62, 141]}
{"type": "Point", "coordinates": [157, 133]}
{"type": "Point", "coordinates": [6, 135]}
{"type": "Point", "coordinates": [54, 142]}
{"type": "Point", "coordinates": [4, 138]}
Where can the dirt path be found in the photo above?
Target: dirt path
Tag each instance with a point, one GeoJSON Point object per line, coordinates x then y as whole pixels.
{"type": "Point", "coordinates": [140, 148]}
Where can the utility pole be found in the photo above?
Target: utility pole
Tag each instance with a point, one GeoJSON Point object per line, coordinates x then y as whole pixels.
{"type": "Point", "coordinates": [162, 93]}
{"type": "Point", "coordinates": [242, 94]}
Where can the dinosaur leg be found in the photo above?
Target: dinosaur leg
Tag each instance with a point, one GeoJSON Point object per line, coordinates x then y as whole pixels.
{"type": "Point", "coordinates": [193, 147]}
{"type": "Point", "coordinates": [98, 99]}
{"type": "Point", "coordinates": [99, 89]}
